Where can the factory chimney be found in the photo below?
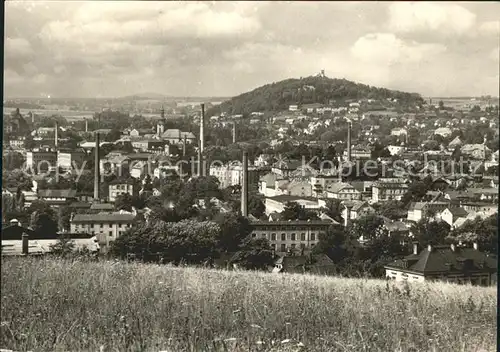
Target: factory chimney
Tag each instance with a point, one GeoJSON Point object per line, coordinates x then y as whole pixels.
{"type": "Point", "coordinates": [244, 186]}
{"type": "Point", "coordinates": [56, 131]}
{"type": "Point", "coordinates": [86, 125]}
{"type": "Point", "coordinates": [234, 132]}
{"type": "Point", "coordinates": [97, 173]}
{"type": "Point", "coordinates": [202, 128]}
{"type": "Point", "coordinates": [25, 244]}
{"type": "Point", "coordinates": [200, 163]}
{"type": "Point", "coordinates": [349, 141]}
{"type": "Point", "coordinates": [184, 146]}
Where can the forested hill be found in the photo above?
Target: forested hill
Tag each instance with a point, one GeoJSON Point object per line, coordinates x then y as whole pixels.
{"type": "Point", "coordinates": [314, 89]}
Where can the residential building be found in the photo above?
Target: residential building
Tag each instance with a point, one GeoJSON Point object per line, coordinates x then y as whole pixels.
{"type": "Point", "coordinates": [57, 197]}
{"type": "Point", "coordinates": [41, 160]}
{"type": "Point", "coordinates": [420, 210]}
{"type": "Point", "coordinates": [148, 145]}
{"type": "Point", "coordinates": [449, 263]}
{"type": "Point", "coordinates": [176, 136]}
{"type": "Point", "coordinates": [106, 226]}
{"type": "Point", "coordinates": [290, 235]}
{"type": "Point", "coordinates": [396, 149]}
{"type": "Point", "coordinates": [388, 189]}
{"type": "Point", "coordinates": [451, 214]}
{"type": "Point", "coordinates": [320, 184]}
{"type": "Point", "coordinates": [71, 159]}
{"type": "Point", "coordinates": [399, 131]}
{"type": "Point", "coordinates": [123, 186]}
{"type": "Point", "coordinates": [278, 203]}
{"type": "Point", "coordinates": [343, 191]}
{"type": "Point", "coordinates": [353, 209]}
{"type": "Point", "coordinates": [443, 131]}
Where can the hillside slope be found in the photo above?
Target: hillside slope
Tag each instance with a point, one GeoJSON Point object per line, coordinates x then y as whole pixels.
{"type": "Point", "coordinates": [314, 89]}
{"type": "Point", "coordinates": [53, 305]}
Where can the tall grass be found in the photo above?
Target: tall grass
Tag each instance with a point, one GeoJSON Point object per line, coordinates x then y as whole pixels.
{"type": "Point", "coordinates": [55, 305]}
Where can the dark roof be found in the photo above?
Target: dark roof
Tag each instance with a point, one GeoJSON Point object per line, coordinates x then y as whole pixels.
{"type": "Point", "coordinates": [443, 259]}
{"type": "Point", "coordinates": [80, 205]}
{"type": "Point", "coordinates": [102, 206]}
{"type": "Point", "coordinates": [290, 198]}
{"type": "Point", "coordinates": [458, 211]}
{"type": "Point", "coordinates": [103, 217]}
{"type": "Point", "coordinates": [291, 223]}
{"type": "Point", "coordinates": [57, 193]}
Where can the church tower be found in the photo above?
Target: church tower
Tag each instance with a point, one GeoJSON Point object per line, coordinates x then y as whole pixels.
{"type": "Point", "coordinates": [160, 127]}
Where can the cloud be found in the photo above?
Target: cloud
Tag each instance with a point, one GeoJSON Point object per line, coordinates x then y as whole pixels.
{"type": "Point", "coordinates": [490, 28]}
{"type": "Point", "coordinates": [387, 49]}
{"type": "Point", "coordinates": [494, 54]}
{"type": "Point", "coordinates": [226, 48]}
{"type": "Point", "coordinates": [426, 16]}
{"type": "Point", "coordinates": [17, 48]}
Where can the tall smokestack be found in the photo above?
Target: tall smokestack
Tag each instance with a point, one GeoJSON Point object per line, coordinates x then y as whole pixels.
{"type": "Point", "coordinates": [97, 171]}
{"type": "Point", "coordinates": [200, 163]}
{"type": "Point", "coordinates": [25, 244]}
{"type": "Point", "coordinates": [56, 130]}
{"type": "Point", "coordinates": [184, 146]}
{"type": "Point", "coordinates": [86, 125]}
{"type": "Point", "coordinates": [234, 132]}
{"type": "Point", "coordinates": [202, 128]}
{"type": "Point", "coordinates": [244, 186]}
{"type": "Point", "coordinates": [349, 141]}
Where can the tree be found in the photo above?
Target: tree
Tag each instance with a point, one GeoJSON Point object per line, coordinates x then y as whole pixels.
{"type": "Point", "coordinates": [124, 202]}
{"type": "Point", "coordinates": [13, 160]}
{"type": "Point", "coordinates": [333, 243]}
{"type": "Point", "coordinates": [233, 230]}
{"type": "Point", "coordinates": [334, 209]}
{"type": "Point", "coordinates": [64, 246]}
{"type": "Point", "coordinates": [64, 218]}
{"type": "Point", "coordinates": [416, 191]}
{"type": "Point", "coordinates": [428, 231]}
{"type": "Point", "coordinates": [367, 227]}
{"type": "Point", "coordinates": [187, 240]}
{"type": "Point", "coordinates": [43, 218]}
{"type": "Point", "coordinates": [256, 206]}
{"type": "Point", "coordinates": [482, 231]}
{"type": "Point", "coordinates": [392, 209]}
{"type": "Point", "coordinates": [294, 211]}
{"type": "Point", "coordinates": [254, 254]}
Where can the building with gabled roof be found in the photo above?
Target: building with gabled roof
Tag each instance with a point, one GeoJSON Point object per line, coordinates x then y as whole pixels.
{"type": "Point", "coordinates": [343, 191]}
{"type": "Point", "coordinates": [450, 263]}
{"type": "Point", "coordinates": [57, 197]}
{"type": "Point", "coordinates": [106, 226]}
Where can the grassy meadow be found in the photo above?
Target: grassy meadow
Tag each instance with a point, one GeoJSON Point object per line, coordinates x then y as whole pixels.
{"type": "Point", "coordinates": [55, 305]}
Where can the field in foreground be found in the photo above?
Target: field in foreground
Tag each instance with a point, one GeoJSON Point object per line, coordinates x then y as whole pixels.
{"type": "Point", "coordinates": [52, 305]}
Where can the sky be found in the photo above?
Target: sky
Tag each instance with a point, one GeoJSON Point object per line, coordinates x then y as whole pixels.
{"type": "Point", "coordinates": [114, 49]}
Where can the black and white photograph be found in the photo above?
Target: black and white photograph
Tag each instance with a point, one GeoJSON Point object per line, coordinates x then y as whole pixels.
{"type": "Point", "coordinates": [250, 176]}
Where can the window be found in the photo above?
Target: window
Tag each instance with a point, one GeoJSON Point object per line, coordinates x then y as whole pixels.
{"type": "Point", "coordinates": [313, 237]}
{"type": "Point", "coordinates": [293, 246]}
{"type": "Point", "coordinates": [273, 246]}
{"type": "Point", "coordinates": [283, 236]}
{"type": "Point", "coordinates": [283, 247]}
{"type": "Point", "coordinates": [292, 237]}
{"type": "Point", "coordinates": [254, 235]}
{"type": "Point", "coordinates": [273, 237]}
{"type": "Point", "coordinates": [302, 245]}
{"type": "Point", "coordinates": [110, 233]}
{"type": "Point", "coordinates": [302, 236]}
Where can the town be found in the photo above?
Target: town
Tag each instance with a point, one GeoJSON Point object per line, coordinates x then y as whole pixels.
{"type": "Point", "coordinates": [320, 185]}
{"type": "Point", "coordinates": [250, 176]}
